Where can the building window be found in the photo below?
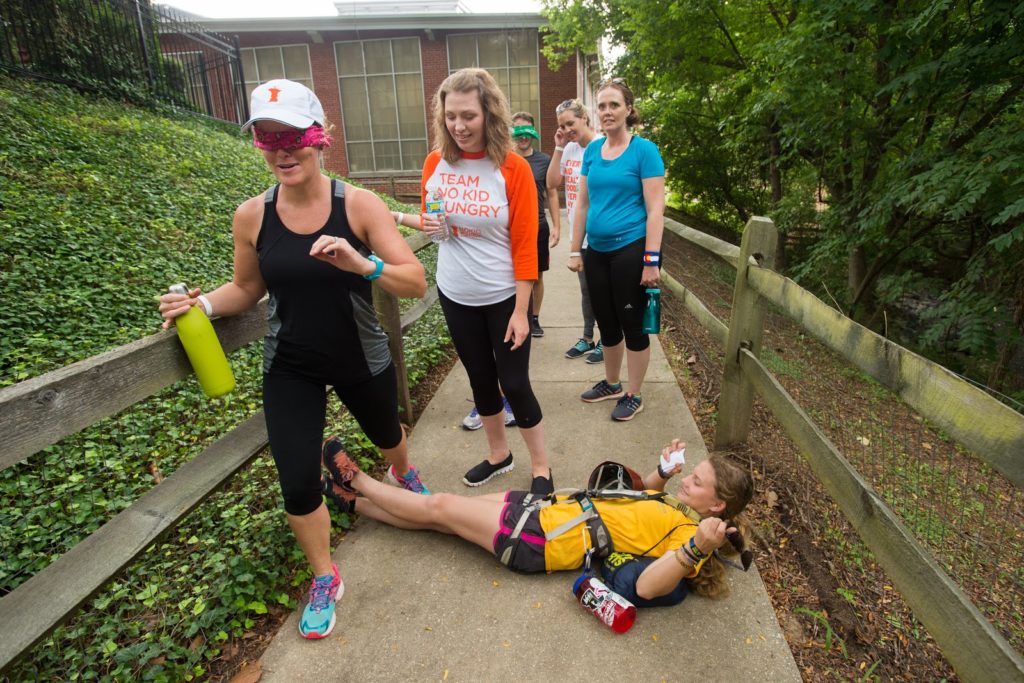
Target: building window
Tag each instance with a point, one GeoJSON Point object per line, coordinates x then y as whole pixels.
{"type": "Point", "coordinates": [512, 58]}
{"type": "Point", "coordinates": [261, 64]}
{"type": "Point", "coordinates": [381, 86]}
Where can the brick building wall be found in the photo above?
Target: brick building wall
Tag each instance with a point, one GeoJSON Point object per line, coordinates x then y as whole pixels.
{"type": "Point", "coordinates": [555, 86]}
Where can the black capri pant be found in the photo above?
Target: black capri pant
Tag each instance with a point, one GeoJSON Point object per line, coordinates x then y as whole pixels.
{"type": "Point", "coordinates": [616, 295]}
{"type": "Point", "coordinates": [295, 408]}
{"type": "Point", "coordinates": [478, 333]}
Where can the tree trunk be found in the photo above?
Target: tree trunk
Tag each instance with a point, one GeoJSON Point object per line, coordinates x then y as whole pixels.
{"type": "Point", "coordinates": [1011, 344]}
{"type": "Point", "coordinates": [775, 180]}
{"type": "Point", "coordinates": [857, 271]}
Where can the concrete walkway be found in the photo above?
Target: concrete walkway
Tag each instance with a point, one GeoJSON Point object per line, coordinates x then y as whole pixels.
{"type": "Point", "coordinates": [421, 606]}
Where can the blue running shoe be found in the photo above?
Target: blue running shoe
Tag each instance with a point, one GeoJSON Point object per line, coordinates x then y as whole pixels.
{"type": "Point", "coordinates": [580, 348]}
{"type": "Point", "coordinates": [318, 618]}
{"type": "Point", "coordinates": [472, 422]}
{"type": "Point", "coordinates": [627, 407]}
{"type": "Point", "coordinates": [510, 418]}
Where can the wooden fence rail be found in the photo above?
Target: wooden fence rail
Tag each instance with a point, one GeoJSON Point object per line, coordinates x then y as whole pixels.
{"type": "Point", "coordinates": [41, 411]}
{"type": "Point", "coordinates": [976, 650]}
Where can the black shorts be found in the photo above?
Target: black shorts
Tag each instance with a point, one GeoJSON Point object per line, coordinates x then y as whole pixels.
{"type": "Point", "coordinates": [528, 557]}
{"type": "Point", "coordinates": [543, 252]}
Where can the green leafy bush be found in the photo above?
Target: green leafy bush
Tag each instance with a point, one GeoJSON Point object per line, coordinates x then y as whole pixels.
{"type": "Point", "coordinates": [101, 207]}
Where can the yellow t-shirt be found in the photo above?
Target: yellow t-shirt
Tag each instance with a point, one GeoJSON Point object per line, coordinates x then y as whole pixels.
{"type": "Point", "coordinates": [636, 526]}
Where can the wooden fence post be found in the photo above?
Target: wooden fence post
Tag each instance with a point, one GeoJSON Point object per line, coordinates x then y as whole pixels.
{"type": "Point", "coordinates": [391, 319]}
{"type": "Point", "coordinates": [748, 308]}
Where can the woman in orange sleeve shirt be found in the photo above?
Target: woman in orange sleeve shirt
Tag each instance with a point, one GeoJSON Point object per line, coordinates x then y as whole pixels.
{"type": "Point", "coordinates": [487, 261]}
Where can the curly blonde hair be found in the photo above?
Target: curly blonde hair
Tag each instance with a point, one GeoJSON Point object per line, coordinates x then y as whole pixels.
{"type": "Point", "coordinates": [735, 487]}
{"type": "Point", "coordinates": [497, 119]}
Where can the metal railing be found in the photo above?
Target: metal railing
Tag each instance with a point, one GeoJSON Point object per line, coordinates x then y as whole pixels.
{"type": "Point", "coordinates": [126, 49]}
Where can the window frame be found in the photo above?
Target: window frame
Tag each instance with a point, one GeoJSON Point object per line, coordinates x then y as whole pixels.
{"type": "Point", "coordinates": [247, 76]}
{"type": "Point", "coordinates": [535, 65]}
{"type": "Point", "coordinates": [372, 140]}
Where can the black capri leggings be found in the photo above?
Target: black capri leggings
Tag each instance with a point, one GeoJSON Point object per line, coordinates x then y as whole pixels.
{"type": "Point", "coordinates": [616, 295]}
{"type": "Point", "coordinates": [295, 408]}
{"type": "Point", "coordinates": [478, 333]}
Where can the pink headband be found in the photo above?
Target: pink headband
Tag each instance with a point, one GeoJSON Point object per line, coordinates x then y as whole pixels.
{"type": "Point", "coordinates": [313, 136]}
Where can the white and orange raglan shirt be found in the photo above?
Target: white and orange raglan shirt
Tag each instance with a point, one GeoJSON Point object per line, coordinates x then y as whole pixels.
{"type": "Point", "coordinates": [492, 213]}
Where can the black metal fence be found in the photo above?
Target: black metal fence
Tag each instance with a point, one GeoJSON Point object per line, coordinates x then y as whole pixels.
{"type": "Point", "coordinates": [125, 48]}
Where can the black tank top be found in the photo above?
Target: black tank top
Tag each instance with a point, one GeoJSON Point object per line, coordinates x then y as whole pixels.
{"type": "Point", "coordinates": [321, 320]}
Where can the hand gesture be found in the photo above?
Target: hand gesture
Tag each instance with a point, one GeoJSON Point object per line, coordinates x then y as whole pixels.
{"type": "Point", "coordinates": [559, 138]}
{"type": "Point", "coordinates": [172, 305]}
{"type": "Point", "coordinates": [340, 254]}
{"type": "Point", "coordinates": [575, 264]}
{"type": "Point", "coordinates": [554, 238]}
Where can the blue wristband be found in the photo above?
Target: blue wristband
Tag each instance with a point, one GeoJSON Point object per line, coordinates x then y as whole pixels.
{"type": "Point", "coordinates": [652, 258]}
{"type": "Point", "coordinates": [377, 271]}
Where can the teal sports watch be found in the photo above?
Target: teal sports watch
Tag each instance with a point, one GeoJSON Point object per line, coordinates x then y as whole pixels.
{"type": "Point", "coordinates": [377, 271]}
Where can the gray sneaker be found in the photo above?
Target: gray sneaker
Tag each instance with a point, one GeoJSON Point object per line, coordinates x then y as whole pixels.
{"type": "Point", "coordinates": [597, 355]}
{"type": "Point", "coordinates": [602, 391]}
{"type": "Point", "coordinates": [628, 407]}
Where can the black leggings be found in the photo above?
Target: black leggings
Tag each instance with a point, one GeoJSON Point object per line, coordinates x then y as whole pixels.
{"type": "Point", "coordinates": [295, 408]}
{"type": "Point", "coordinates": [478, 333]}
{"type": "Point", "coordinates": [618, 298]}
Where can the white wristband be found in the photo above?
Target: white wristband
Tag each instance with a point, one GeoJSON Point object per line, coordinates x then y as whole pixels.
{"type": "Point", "coordinates": [401, 217]}
{"type": "Point", "coordinates": [559, 149]}
{"type": "Point", "coordinates": [576, 254]}
{"type": "Point", "coordinates": [207, 306]}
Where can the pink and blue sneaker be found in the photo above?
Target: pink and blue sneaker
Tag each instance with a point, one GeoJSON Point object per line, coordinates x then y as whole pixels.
{"type": "Point", "coordinates": [318, 618]}
{"type": "Point", "coordinates": [410, 482]}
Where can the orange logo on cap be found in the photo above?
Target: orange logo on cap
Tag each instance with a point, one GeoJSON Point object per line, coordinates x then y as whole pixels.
{"type": "Point", "coordinates": [273, 94]}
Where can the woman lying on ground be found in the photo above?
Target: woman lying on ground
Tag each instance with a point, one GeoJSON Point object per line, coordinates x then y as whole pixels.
{"type": "Point", "coordinates": [661, 548]}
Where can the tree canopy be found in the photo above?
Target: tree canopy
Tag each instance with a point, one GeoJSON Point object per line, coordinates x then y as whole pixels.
{"type": "Point", "coordinates": [884, 137]}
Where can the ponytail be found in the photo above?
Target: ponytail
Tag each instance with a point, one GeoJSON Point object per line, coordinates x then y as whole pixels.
{"type": "Point", "coordinates": [710, 581]}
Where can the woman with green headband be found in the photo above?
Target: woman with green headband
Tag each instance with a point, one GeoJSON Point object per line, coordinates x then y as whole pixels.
{"type": "Point", "coordinates": [523, 135]}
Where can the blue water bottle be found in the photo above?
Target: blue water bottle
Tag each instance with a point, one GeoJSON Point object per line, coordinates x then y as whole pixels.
{"type": "Point", "coordinates": [652, 312]}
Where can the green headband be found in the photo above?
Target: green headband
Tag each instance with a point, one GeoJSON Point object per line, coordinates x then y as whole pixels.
{"type": "Point", "coordinates": [526, 131]}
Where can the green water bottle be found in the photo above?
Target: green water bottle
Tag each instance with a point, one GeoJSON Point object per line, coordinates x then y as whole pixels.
{"type": "Point", "coordinates": [203, 349]}
{"type": "Point", "coordinates": [652, 312]}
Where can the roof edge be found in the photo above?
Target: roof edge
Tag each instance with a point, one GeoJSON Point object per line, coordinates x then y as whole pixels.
{"type": "Point", "coordinates": [375, 23]}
